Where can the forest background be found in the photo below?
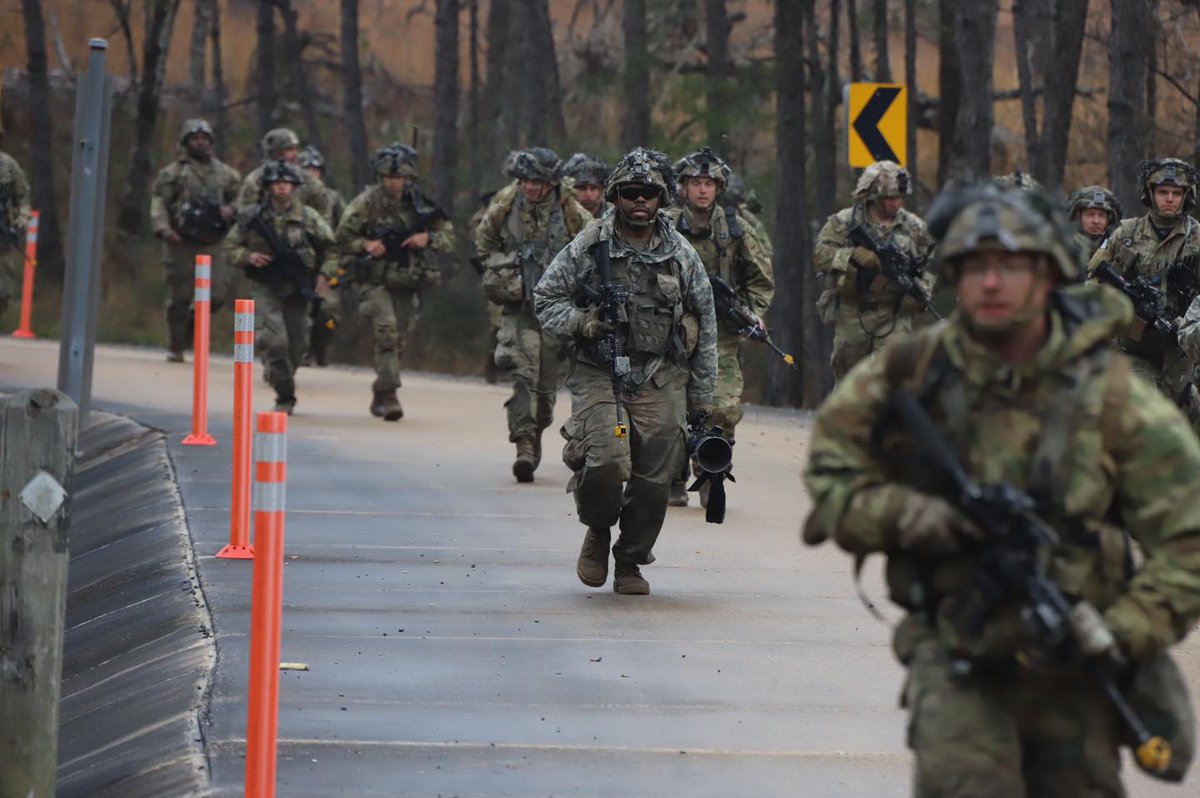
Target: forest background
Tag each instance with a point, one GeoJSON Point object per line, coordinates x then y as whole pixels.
{"type": "Point", "coordinates": [1070, 91]}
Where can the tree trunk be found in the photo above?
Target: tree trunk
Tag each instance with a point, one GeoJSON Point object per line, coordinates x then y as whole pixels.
{"type": "Point", "coordinates": [883, 67]}
{"type": "Point", "coordinates": [352, 99]}
{"type": "Point", "coordinates": [635, 125]}
{"type": "Point", "coordinates": [160, 21]}
{"type": "Point", "coordinates": [201, 10]}
{"type": "Point", "coordinates": [532, 109]}
{"type": "Point", "coordinates": [910, 80]}
{"type": "Point", "coordinates": [217, 107]}
{"type": "Point", "coordinates": [716, 37]}
{"type": "Point", "coordinates": [497, 61]}
{"type": "Point", "coordinates": [1127, 66]}
{"type": "Point", "coordinates": [949, 90]}
{"type": "Point", "coordinates": [547, 63]}
{"type": "Point", "coordinates": [295, 55]}
{"type": "Point", "coordinates": [791, 310]}
{"type": "Point", "coordinates": [264, 71]}
{"type": "Point", "coordinates": [445, 97]}
{"type": "Point", "coordinates": [50, 248]}
{"type": "Point", "coordinates": [824, 87]}
{"type": "Point", "coordinates": [473, 96]}
{"type": "Point", "coordinates": [1152, 81]}
{"type": "Point", "coordinates": [1029, 20]}
{"type": "Point", "coordinates": [975, 34]}
{"type": "Point", "coordinates": [856, 65]}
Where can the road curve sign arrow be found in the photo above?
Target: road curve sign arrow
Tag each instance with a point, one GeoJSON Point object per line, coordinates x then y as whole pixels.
{"type": "Point", "coordinates": [878, 123]}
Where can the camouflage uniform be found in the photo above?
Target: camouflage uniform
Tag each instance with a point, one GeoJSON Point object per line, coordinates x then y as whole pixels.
{"type": "Point", "coordinates": [1167, 252]}
{"type": "Point", "coordinates": [14, 216]}
{"type": "Point", "coordinates": [187, 183]}
{"type": "Point", "coordinates": [1099, 198]}
{"type": "Point", "coordinates": [495, 310]}
{"type": "Point", "coordinates": [390, 287]}
{"type": "Point", "coordinates": [667, 283]}
{"type": "Point", "coordinates": [326, 311]}
{"type": "Point", "coordinates": [281, 308]}
{"type": "Point", "coordinates": [865, 319]}
{"type": "Point", "coordinates": [516, 240]}
{"type": "Point", "coordinates": [730, 249]}
{"type": "Point", "coordinates": [991, 715]}
{"type": "Point", "coordinates": [311, 191]}
{"type": "Point", "coordinates": [581, 170]}
{"type": "Point", "coordinates": [1017, 179]}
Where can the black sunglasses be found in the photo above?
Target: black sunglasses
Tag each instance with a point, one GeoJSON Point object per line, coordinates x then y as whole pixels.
{"type": "Point", "coordinates": [645, 192]}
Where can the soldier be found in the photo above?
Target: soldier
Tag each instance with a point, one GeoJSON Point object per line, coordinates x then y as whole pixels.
{"type": "Point", "coordinates": [731, 251]}
{"type": "Point", "coordinates": [1163, 249]}
{"type": "Point", "coordinates": [748, 205]}
{"type": "Point", "coordinates": [14, 216]}
{"type": "Point", "coordinates": [288, 251]}
{"type": "Point", "coordinates": [865, 307]}
{"type": "Point", "coordinates": [282, 144]}
{"type": "Point", "coordinates": [1095, 212]}
{"type": "Point", "coordinates": [191, 208]}
{"type": "Point", "coordinates": [521, 231]}
{"type": "Point", "coordinates": [325, 314]}
{"type": "Point", "coordinates": [665, 326]}
{"type": "Point", "coordinates": [494, 309]}
{"type": "Point", "coordinates": [388, 231]}
{"type": "Point", "coordinates": [588, 174]}
{"type": "Point", "coordinates": [1017, 179]}
{"type": "Point", "coordinates": [1015, 383]}
{"type": "Point", "coordinates": [312, 162]}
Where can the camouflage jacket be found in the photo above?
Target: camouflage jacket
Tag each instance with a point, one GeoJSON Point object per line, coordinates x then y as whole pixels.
{"type": "Point", "coordinates": [831, 256]}
{"type": "Point", "coordinates": [14, 203]}
{"type": "Point", "coordinates": [731, 249]}
{"type": "Point", "coordinates": [311, 192]}
{"type": "Point", "coordinates": [667, 275]}
{"type": "Point", "coordinates": [371, 214]}
{"type": "Point", "coordinates": [189, 180]}
{"type": "Point", "coordinates": [510, 222]}
{"type": "Point", "coordinates": [1126, 453]}
{"type": "Point", "coordinates": [1088, 245]}
{"type": "Point", "coordinates": [299, 228]}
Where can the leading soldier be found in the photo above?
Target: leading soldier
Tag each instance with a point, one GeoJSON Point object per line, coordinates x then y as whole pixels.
{"type": "Point", "coordinates": [385, 235]}
{"type": "Point", "coordinates": [521, 231]}
{"type": "Point", "coordinates": [866, 307]}
{"type": "Point", "coordinates": [619, 479]}
{"type": "Point", "coordinates": [731, 251]}
{"type": "Point", "coordinates": [14, 217]}
{"type": "Point", "coordinates": [288, 251]}
{"type": "Point", "coordinates": [1095, 212]}
{"type": "Point", "coordinates": [1161, 250]}
{"type": "Point", "coordinates": [191, 208]}
{"type": "Point", "coordinates": [1020, 384]}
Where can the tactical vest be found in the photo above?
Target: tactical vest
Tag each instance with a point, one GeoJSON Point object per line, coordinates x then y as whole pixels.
{"type": "Point", "coordinates": [543, 248]}
{"type": "Point", "coordinates": [717, 249]}
{"type": "Point", "coordinates": [1177, 282]}
{"type": "Point", "coordinates": [382, 215]}
{"type": "Point", "coordinates": [291, 232]}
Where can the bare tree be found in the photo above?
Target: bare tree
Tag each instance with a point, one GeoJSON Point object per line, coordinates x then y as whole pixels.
{"type": "Point", "coordinates": [473, 94]}
{"type": "Point", "coordinates": [910, 80]}
{"type": "Point", "coordinates": [530, 117]}
{"type": "Point", "coordinates": [445, 95]}
{"type": "Point", "coordinates": [159, 23]}
{"type": "Point", "coordinates": [497, 59]}
{"type": "Point", "coordinates": [264, 68]}
{"type": "Point", "coordinates": [883, 68]}
{"type": "Point", "coordinates": [825, 87]}
{"type": "Point", "coordinates": [975, 38]}
{"type": "Point", "coordinates": [716, 40]}
{"type": "Point", "coordinates": [547, 67]}
{"type": "Point", "coordinates": [856, 64]}
{"type": "Point", "coordinates": [949, 90]}
{"type": "Point", "coordinates": [201, 12]}
{"type": "Point", "coordinates": [635, 125]}
{"type": "Point", "coordinates": [217, 104]}
{"type": "Point", "coordinates": [1132, 27]}
{"type": "Point", "coordinates": [122, 9]}
{"type": "Point", "coordinates": [352, 97]}
{"type": "Point", "coordinates": [294, 48]}
{"type": "Point", "coordinates": [50, 249]}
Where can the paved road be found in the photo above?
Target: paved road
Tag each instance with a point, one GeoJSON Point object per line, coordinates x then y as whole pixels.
{"type": "Point", "coordinates": [453, 652]}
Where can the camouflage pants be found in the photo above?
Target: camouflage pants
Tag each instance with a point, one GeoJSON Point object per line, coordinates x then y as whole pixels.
{"type": "Point", "coordinates": [535, 363]}
{"type": "Point", "coordinates": [280, 336]}
{"type": "Point", "coordinates": [180, 266]}
{"type": "Point", "coordinates": [12, 262]}
{"type": "Point", "coordinates": [858, 335]}
{"type": "Point", "coordinates": [727, 395]}
{"type": "Point", "coordinates": [392, 315]}
{"type": "Point", "coordinates": [1018, 733]}
{"type": "Point", "coordinates": [1173, 379]}
{"type": "Point", "coordinates": [625, 482]}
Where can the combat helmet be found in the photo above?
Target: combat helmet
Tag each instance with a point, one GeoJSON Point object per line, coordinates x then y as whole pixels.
{"type": "Point", "coordinates": [191, 126]}
{"type": "Point", "coordinates": [987, 216]}
{"type": "Point", "coordinates": [276, 141]}
{"type": "Point", "coordinates": [1168, 170]}
{"type": "Point", "coordinates": [882, 179]}
{"type": "Point", "coordinates": [311, 158]}
{"type": "Point", "coordinates": [1097, 197]}
{"type": "Point", "coordinates": [278, 172]}
{"type": "Point", "coordinates": [585, 170]}
{"type": "Point", "coordinates": [703, 163]}
{"type": "Point", "coordinates": [536, 163]}
{"type": "Point", "coordinates": [395, 160]}
{"type": "Point", "coordinates": [649, 167]}
{"type": "Point", "coordinates": [1017, 179]}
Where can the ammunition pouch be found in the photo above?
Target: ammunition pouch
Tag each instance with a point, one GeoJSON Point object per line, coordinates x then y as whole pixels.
{"type": "Point", "coordinates": [201, 222]}
{"type": "Point", "coordinates": [503, 279]}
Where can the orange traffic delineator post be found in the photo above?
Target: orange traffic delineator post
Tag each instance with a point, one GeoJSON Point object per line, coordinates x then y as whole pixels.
{"type": "Point", "coordinates": [239, 547]}
{"type": "Point", "coordinates": [202, 303]}
{"type": "Point", "coordinates": [31, 235]}
{"type": "Point", "coordinates": [266, 607]}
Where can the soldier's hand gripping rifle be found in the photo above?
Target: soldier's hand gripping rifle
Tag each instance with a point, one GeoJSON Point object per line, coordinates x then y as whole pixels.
{"type": "Point", "coordinates": [713, 453]}
{"type": "Point", "coordinates": [895, 266]}
{"type": "Point", "coordinates": [725, 299]}
{"type": "Point", "coordinates": [1010, 568]}
{"type": "Point", "coordinates": [393, 237]}
{"type": "Point", "coordinates": [286, 266]}
{"type": "Point", "coordinates": [1149, 304]}
{"type": "Point", "coordinates": [611, 298]}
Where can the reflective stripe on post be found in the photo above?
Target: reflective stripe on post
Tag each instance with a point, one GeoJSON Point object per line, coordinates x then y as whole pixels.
{"type": "Point", "coordinates": [24, 329]}
{"type": "Point", "coordinates": [239, 547]}
{"type": "Point", "coordinates": [202, 304]}
{"type": "Point", "coordinates": [266, 619]}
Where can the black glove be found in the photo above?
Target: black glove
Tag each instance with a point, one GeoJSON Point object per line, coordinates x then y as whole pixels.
{"type": "Point", "coordinates": [698, 419]}
{"type": "Point", "coordinates": [592, 326]}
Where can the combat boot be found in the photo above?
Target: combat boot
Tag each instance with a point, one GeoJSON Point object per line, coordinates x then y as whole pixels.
{"type": "Point", "coordinates": [524, 465]}
{"type": "Point", "coordinates": [174, 356]}
{"type": "Point", "coordinates": [285, 404]}
{"type": "Point", "coordinates": [386, 405]}
{"type": "Point", "coordinates": [628, 580]}
{"type": "Point", "coordinates": [679, 497]}
{"type": "Point", "coordinates": [592, 567]}
{"type": "Point", "coordinates": [537, 450]}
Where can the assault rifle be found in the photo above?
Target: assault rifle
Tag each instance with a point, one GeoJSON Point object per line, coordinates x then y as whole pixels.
{"type": "Point", "coordinates": [895, 267]}
{"type": "Point", "coordinates": [725, 299]}
{"type": "Point", "coordinates": [393, 237]}
{"type": "Point", "coordinates": [713, 452]}
{"type": "Point", "coordinates": [202, 221]}
{"type": "Point", "coordinates": [286, 266]}
{"type": "Point", "coordinates": [611, 297]}
{"type": "Point", "coordinates": [1010, 567]}
{"type": "Point", "coordinates": [1148, 302]}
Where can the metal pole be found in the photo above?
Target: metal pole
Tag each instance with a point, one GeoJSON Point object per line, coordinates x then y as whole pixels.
{"type": "Point", "coordinates": [85, 236]}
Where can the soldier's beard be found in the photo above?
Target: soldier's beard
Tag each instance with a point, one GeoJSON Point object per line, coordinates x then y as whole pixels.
{"type": "Point", "coordinates": [640, 224]}
{"type": "Point", "coordinates": [996, 331]}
